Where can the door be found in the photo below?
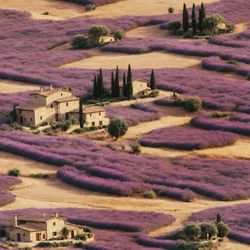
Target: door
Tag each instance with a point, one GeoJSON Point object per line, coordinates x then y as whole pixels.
{"type": "Point", "coordinates": [18, 237]}
{"type": "Point", "coordinates": [72, 234]}
{"type": "Point", "coordinates": [57, 117]}
{"type": "Point", "coordinates": [38, 237]}
{"type": "Point", "coordinates": [21, 120]}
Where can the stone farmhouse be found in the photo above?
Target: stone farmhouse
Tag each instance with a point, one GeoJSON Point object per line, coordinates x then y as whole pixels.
{"type": "Point", "coordinates": [93, 116]}
{"type": "Point", "coordinates": [40, 228]}
{"type": "Point", "coordinates": [106, 39]}
{"type": "Point", "coordinates": [140, 88]}
{"type": "Point", "coordinates": [47, 105]}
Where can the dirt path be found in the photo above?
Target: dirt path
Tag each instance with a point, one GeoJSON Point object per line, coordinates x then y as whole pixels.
{"type": "Point", "coordinates": [142, 61]}
{"type": "Point", "coordinates": [9, 86]}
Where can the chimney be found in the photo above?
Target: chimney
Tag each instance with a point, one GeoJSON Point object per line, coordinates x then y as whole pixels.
{"type": "Point", "coordinates": [56, 215]}
{"type": "Point", "coordinates": [43, 214]}
{"type": "Point", "coordinates": [50, 87]}
{"type": "Point", "coordinates": [15, 221]}
{"type": "Point", "coordinates": [41, 88]}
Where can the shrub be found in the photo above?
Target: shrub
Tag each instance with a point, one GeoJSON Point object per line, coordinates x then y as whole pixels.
{"type": "Point", "coordinates": [65, 232]}
{"type": "Point", "coordinates": [208, 231]}
{"type": "Point", "coordinates": [193, 231]}
{"type": "Point", "coordinates": [211, 23]}
{"type": "Point", "coordinates": [14, 172]}
{"type": "Point", "coordinates": [136, 147]}
{"type": "Point", "coordinates": [223, 229]}
{"type": "Point", "coordinates": [90, 7]}
{"type": "Point", "coordinates": [118, 34]}
{"type": "Point", "coordinates": [150, 195]}
{"type": "Point", "coordinates": [79, 42]}
{"type": "Point", "coordinates": [173, 26]}
{"type": "Point", "coordinates": [193, 104]}
{"type": "Point", "coordinates": [81, 237]}
{"type": "Point", "coordinates": [171, 10]}
{"type": "Point", "coordinates": [96, 31]}
{"type": "Point", "coordinates": [117, 127]}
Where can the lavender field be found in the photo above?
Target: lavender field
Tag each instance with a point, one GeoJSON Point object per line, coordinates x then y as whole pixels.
{"type": "Point", "coordinates": [6, 182]}
{"type": "Point", "coordinates": [237, 217]}
{"type": "Point", "coordinates": [123, 227]}
{"type": "Point", "coordinates": [100, 169]}
{"type": "Point", "coordinates": [187, 138]}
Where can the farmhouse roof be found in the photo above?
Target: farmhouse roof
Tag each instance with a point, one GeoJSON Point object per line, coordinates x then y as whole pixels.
{"type": "Point", "coordinates": [68, 99]}
{"type": "Point", "coordinates": [90, 109]}
{"type": "Point", "coordinates": [37, 218]}
{"type": "Point", "coordinates": [33, 228]}
{"type": "Point", "coordinates": [49, 91]}
{"type": "Point", "coordinates": [29, 107]}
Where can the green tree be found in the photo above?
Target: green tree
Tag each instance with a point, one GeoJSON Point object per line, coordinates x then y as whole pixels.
{"type": "Point", "coordinates": [96, 31]}
{"type": "Point", "coordinates": [117, 83]}
{"type": "Point", "coordinates": [136, 147]}
{"type": "Point", "coordinates": [81, 120]}
{"type": "Point", "coordinates": [203, 10]}
{"type": "Point", "coordinates": [129, 88]}
{"type": "Point", "coordinates": [193, 104]}
{"type": "Point", "coordinates": [100, 84]}
{"type": "Point", "coordinates": [208, 231]}
{"type": "Point", "coordinates": [112, 84]}
{"type": "Point", "coordinates": [124, 85]}
{"type": "Point", "coordinates": [194, 24]}
{"type": "Point", "coordinates": [118, 34]}
{"type": "Point", "coordinates": [185, 19]}
{"type": "Point", "coordinates": [95, 88]}
{"type": "Point", "coordinates": [200, 23]}
{"type": "Point", "coordinates": [79, 42]}
{"type": "Point", "coordinates": [152, 82]}
{"type": "Point", "coordinates": [65, 232]}
{"type": "Point", "coordinates": [117, 127]}
{"type": "Point", "coordinates": [211, 23]}
{"type": "Point", "coordinates": [218, 218]}
{"type": "Point", "coordinates": [223, 229]}
{"type": "Point", "coordinates": [192, 231]}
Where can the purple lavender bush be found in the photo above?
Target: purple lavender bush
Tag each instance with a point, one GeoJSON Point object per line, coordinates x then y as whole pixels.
{"type": "Point", "coordinates": [236, 216]}
{"type": "Point", "coordinates": [187, 138]}
{"type": "Point", "coordinates": [6, 182]}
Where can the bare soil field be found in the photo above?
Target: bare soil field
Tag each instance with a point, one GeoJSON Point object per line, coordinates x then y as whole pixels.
{"type": "Point", "coordinates": [141, 8]}
{"type": "Point", "coordinates": [8, 86]}
{"type": "Point", "coordinates": [148, 60]}
{"type": "Point", "coordinates": [27, 167]}
{"type": "Point", "coordinates": [57, 9]}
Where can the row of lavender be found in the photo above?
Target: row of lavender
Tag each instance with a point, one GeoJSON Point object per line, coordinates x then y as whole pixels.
{"type": "Point", "coordinates": [6, 182]}
{"type": "Point", "coordinates": [187, 138]}
{"type": "Point", "coordinates": [112, 229]}
{"type": "Point", "coordinates": [103, 170]}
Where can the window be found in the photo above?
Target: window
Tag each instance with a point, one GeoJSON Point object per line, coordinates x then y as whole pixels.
{"type": "Point", "coordinates": [100, 123]}
{"type": "Point", "coordinates": [54, 223]}
{"type": "Point", "coordinates": [67, 104]}
{"type": "Point", "coordinates": [31, 119]}
{"type": "Point", "coordinates": [54, 233]}
{"type": "Point", "coordinates": [41, 117]}
{"type": "Point", "coordinates": [51, 105]}
{"type": "Point", "coordinates": [43, 236]}
{"type": "Point", "coordinates": [35, 97]}
{"type": "Point", "coordinates": [93, 124]}
{"type": "Point", "coordinates": [90, 114]}
{"type": "Point", "coordinates": [24, 234]}
{"type": "Point", "coordinates": [61, 94]}
{"type": "Point", "coordinates": [20, 111]}
{"type": "Point", "coordinates": [99, 113]}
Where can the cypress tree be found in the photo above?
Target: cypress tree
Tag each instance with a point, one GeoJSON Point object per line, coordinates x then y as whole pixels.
{"type": "Point", "coordinates": [112, 84]}
{"type": "Point", "coordinates": [200, 20]}
{"type": "Point", "coordinates": [81, 120]}
{"type": "Point", "coordinates": [124, 86]}
{"type": "Point", "coordinates": [117, 84]}
{"type": "Point", "coordinates": [152, 80]}
{"type": "Point", "coordinates": [14, 115]}
{"type": "Point", "coordinates": [185, 18]}
{"type": "Point", "coordinates": [101, 84]}
{"type": "Point", "coordinates": [194, 27]}
{"type": "Point", "coordinates": [95, 88]}
{"type": "Point", "coordinates": [203, 10]}
{"type": "Point", "coordinates": [129, 88]}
